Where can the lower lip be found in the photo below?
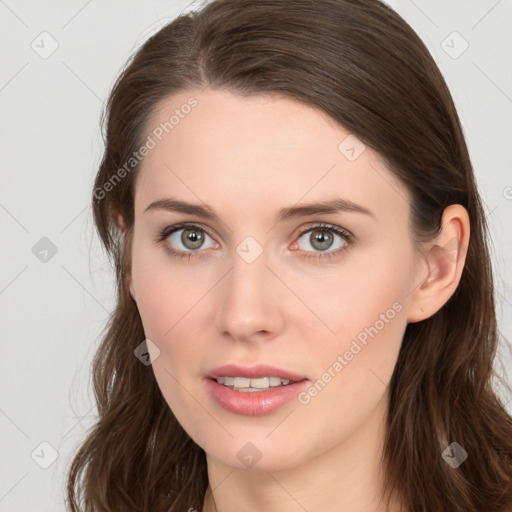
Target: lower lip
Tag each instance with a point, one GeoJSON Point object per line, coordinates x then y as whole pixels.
{"type": "Point", "coordinates": [254, 403]}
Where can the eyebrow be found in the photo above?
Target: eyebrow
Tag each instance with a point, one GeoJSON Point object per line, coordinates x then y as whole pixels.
{"type": "Point", "coordinates": [324, 207]}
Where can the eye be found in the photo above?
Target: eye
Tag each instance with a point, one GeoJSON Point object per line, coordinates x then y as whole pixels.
{"type": "Point", "coordinates": [185, 239]}
{"type": "Point", "coordinates": [323, 238]}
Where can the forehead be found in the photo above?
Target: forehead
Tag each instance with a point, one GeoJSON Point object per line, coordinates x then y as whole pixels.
{"type": "Point", "coordinates": [237, 152]}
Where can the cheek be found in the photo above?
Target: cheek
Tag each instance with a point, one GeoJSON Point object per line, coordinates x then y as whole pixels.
{"type": "Point", "coordinates": [364, 307]}
{"type": "Point", "coordinates": [348, 298]}
{"type": "Point", "coordinates": [353, 369]}
{"type": "Point", "coordinates": [358, 367]}
{"type": "Point", "coordinates": [350, 392]}
{"type": "Point", "coordinates": [166, 291]}
{"type": "Point", "coordinates": [170, 299]}
{"type": "Point", "coordinates": [167, 300]}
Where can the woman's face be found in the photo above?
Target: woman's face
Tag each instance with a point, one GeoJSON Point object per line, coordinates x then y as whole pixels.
{"type": "Point", "coordinates": [322, 294]}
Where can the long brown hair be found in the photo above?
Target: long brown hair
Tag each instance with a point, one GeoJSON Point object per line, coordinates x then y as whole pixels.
{"type": "Point", "coordinates": [363, 65]}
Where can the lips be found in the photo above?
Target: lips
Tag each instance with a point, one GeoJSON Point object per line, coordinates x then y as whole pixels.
{"type": "Point", "coordinates": [254, 372]}
{"type": "Point", "coordinates": [256, 402]}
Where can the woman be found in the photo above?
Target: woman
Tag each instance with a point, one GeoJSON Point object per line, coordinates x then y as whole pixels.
{"type": "Point", "coordinates": [305, 315]}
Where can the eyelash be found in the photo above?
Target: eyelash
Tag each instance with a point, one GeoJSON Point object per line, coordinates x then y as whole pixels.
{"type": "Point", "coordinates": [343, 233]}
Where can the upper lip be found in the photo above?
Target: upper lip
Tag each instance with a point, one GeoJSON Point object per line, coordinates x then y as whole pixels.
{"type": "Point", "coordinates": [253, 372]}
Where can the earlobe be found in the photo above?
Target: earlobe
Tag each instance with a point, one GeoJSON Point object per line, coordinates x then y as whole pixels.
{"type": "Point", "coordinates": [131, 288]}
{"type": "Point", "coordinates": [120, 222]}
{"type": "Point", "coordinates": [443, 265]}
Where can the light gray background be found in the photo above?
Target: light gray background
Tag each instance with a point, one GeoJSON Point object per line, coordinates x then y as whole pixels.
{"type": "Point", "coordinates": [52, 312]}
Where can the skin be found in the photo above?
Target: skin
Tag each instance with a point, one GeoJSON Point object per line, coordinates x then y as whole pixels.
{"type": "Point", "coordinates": [247, 157]}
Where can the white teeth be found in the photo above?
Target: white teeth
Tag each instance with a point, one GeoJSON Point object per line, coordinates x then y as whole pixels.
{"type": "Point", "coordinates": [242, 382]}
{"type": "Point", "coordinates": [263, 382]}
{"type": "Point", "coordinates": [246, 384]}
{"type": "Point", "coordinates": [275, 381]}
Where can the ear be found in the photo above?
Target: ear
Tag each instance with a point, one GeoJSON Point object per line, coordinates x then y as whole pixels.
{"type": "Point", "coordinates": [130, 286]}
{"type": "Point", "coordinates": [121, 225]}
{"type": "Point", "coordinates": [442, 266]}
{"type": "Point", "coordinates": [120, 222]}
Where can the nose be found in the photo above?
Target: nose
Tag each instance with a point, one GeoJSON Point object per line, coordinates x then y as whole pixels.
{"type": "Point", "coordinates": [250, 301]}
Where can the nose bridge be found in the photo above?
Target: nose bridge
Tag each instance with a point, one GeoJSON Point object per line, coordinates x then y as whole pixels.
{"type": "Point", "coordinates": [247, 304]}
{"type": "Point", "coordinates": [249, 272]}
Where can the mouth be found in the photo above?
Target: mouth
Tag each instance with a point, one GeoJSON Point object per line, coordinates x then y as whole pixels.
{"type": "Point", "coordinates": [254, 391]}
